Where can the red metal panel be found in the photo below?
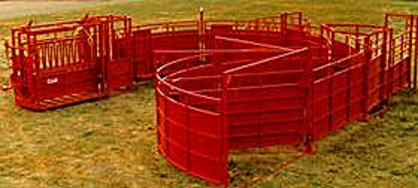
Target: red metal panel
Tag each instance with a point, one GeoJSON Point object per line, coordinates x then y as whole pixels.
{"type": "Point", "coordinates": [375, 83]}
{"type": "Point", "coordinates": [120, 74]}
{"type": "Point", "coordinates": [355, 92]}
{"type": "Point", "coordinates": [206, 145]}
{"type": "Point", "coordinates": [175, 40]}
{"type": "Point", "coordinates": [339, 101]}
{"type": "Point", "coordinates": [338, 90]}
{"type": "Point", "coordinates": [251, 119]}
{"type": "Point", "coordinates": [321, 109]}
{"type": "Point", "coordinates": [190, 127]}
{"type": "Point", "coordinates": [142, 54]}
{"type": "Point", "coordinates": [400, 76]}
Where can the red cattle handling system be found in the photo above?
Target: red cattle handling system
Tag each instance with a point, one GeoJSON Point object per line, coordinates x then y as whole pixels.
{"type": "Point", "coordinates": [221, 84]}
{"type": "Point", "coordinates": [269, 81]}
{"type": "Point", "coordinates": [68, 62]}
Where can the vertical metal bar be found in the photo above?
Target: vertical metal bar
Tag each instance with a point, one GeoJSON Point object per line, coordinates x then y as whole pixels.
{"type": "Point", "coordinates": [22, 64]}
{"type": "Point", "coordinates": [348, 99]}
{"type": "Point", "coordinates": [151, 64]}
{"type": "Point", "coordinates": [50, 55]}
{"type": "Point", "coordinates": [314, 129]}
{"type": "Point", "coordinates": [260, 111]}
{"type": "Point", "coordinates": [101, 62]}
{"type": "Point", "coordinates": [410, 43]}
{"type": "Point", "coordinates": [357, 39]}
{"type": "Point", "coordinates": [331, 91]}
{"type": "Point", "coordinates": [325, 41]}
{"type": "Point", "coordinates": [301, 33]}
{"type": "Point", "coordinates": [56, 54]}
{"type": "Point", "coordinates": [401, 62]}
{"type": "Point", "coordinates": [308, 121]}
{"type": "Point", "coordinates": [43, 50]}
{"type": "Point", "coordinates": [376, 43]}
{"type": "Point", "coordinates": [402, 46]}
{"type": "Point", "coordinates": [14, 37]}
{"type": "Point", "coordinates": [67, 51]}
{"type": "Point", "coordinates": [347, 43]}
{"type": "Point", "coordinates": [166, 135]}
{"type": "Point", "coordinates": [130, 46]}
{"type": "Point", "coordinates": [224, 127]}
{"type": "Point", "coordinates": [407, 21]}
{"type": "Point", "coordinates": [300, 19]}
{"type": "Point", "coordinates": [62, 52]}
{"type": "Point", "coordinates": [129, 38]}
{"type": "Point", "coordinates": [392, 60]}
{"type": "Point", "coordinates": [112, 44]}
{"type": "Point", "coordinates": [330, 97]}
{"type": "Point", "coordinates": [201, 33]}
{"type": "Point", "coordinates": [384, 64]}
{"type": "Point", "coordinates": [284, 23]}
{"type": "Point", "coordinates": [333, 58]}
{"type": "Point", "coordinates": [96, 48]}
{"type": "Point", "coordinates": [107, 53]}
{"type": "Point", "coordinates": [159, 120]}
{"type": "Point", "coordinates": [366, 77]}
{"type": "Point", "coordinates": [188, 140]}
{"type": "Point", "coordinates": [37, 75]}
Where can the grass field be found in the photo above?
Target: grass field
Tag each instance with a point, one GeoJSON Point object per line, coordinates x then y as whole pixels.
{"type": "Point", "coordinates": [112, 143]}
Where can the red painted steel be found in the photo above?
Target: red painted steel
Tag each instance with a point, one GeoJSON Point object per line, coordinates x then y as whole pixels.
{"type": "Point", "coordinates": [191, 130]}
{"type": "Point", "coordinates": [402, 58]}
{"type": "Point", "coordinates": [291, 96]}
{"type": "Point", "coordinates": [267, 101]}
{"type": "Point", "coordinates": [68, 62]}
{"type": "Point", "coordinates": [222, 85]}
{"type": "Point", "coordinates": [118, 67]}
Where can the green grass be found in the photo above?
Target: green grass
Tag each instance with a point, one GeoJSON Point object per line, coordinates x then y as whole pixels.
{"type": "Point", "coordinates": [112, 143]}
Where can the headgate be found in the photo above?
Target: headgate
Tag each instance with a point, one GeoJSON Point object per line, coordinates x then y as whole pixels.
{"type": "Point", "coordinates": [69, 62]}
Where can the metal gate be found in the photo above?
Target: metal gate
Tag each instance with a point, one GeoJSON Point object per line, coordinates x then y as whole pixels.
{"type": "Point", "coordinates": [404, 50]}
{"type": "Point", "coordinates": [116, 55]}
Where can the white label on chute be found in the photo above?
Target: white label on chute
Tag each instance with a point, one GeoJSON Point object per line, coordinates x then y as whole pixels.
{"type": "Point", "coordinates": [52, 81]}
